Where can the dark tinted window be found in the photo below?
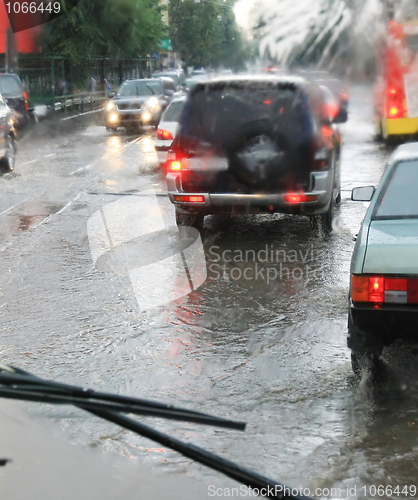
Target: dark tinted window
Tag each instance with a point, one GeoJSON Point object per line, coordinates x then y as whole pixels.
{"type": "Point", "coordinates": [172, 114]}
{"type": "Point", "coordinates": [10, 86]}
{"type": "Point", "coordinates": [219, 113]}
{"type": "Point", "coordinates": [400, 198]}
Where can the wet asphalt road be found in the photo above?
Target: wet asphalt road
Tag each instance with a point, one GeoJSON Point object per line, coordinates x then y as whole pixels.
{"type": "Point", "coordinates": [264, 347]}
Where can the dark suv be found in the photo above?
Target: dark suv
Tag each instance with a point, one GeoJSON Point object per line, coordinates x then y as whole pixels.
{"type": "Point", "coordinates": [139, 103]}
{"type": "Point", "coordinates": [255, 145]}
{"type": "Point", "coordinates": [16, 98]}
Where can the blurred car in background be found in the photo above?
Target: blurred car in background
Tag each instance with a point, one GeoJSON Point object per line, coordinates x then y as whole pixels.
{"type": "Point", "coordinates": [139, 103]}
{"type": "Point", "coordinates": [177, 75]}
{"type": "Point", "coordinates": [255, 145]}
{"type": "Point", "coordinates": [7, 137]}
{"type": "Point", "coordinates": [335, 86]}
{"type": "Point", "coordinates": [340, 92]}
{"type": "Point", "coordinates": [383, 299]}
{"type": "Point", "coordinates": [16, 98]}
{"type": "Point", "coordinates": [167, 128]}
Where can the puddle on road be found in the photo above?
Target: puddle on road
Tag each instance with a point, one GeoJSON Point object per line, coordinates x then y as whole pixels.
{"type": "Point", "coordinates": [26, 216]}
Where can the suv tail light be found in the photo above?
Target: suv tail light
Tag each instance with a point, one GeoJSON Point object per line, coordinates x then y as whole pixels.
{"type": "Point", "coordinates": [175, 161]}
{"type": "Point", "coordinates": [382, 289]}
{"type": "Point", "coordinates": [164, 135]}
{"type": "Point", "coordinates": [296, 198]}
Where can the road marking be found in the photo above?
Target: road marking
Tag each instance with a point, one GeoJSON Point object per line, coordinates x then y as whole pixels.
{"type": "Point", "coordinates": [82, 114]}
{"type": "Point", "coordinates": [14, 206]}
{"type": "Point", "coordinates": [37, 159]}
{"type": "Point", "coordinates": [51, 216]}
{"type": "Point", "coordinates": [125, 146]}
{"type": "Point", "coordinates": [29, 162]}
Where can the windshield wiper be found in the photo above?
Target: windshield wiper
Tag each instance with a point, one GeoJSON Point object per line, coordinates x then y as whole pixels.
{"type": "Point", "coordinates": [16, 383]}
{"type": "Point", "coordinates": [153, 93]}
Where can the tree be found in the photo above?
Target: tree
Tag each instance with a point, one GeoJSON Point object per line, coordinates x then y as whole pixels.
{"type": "Point", "coordinates": [122, 28]}
{"type": "Point", "coordinates": [205, 33]}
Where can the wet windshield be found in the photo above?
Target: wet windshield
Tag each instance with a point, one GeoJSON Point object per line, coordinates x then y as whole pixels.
{"type": "Point", "coordinates": [193, 243]}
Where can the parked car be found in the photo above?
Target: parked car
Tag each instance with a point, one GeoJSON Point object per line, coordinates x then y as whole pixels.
{"type": "Point", "coordinates": [7, 137]}
{"type": "Point", "coordinates": [16, 98]}
{"type": "Point", "coordinates": [383, 298]}
{"type": "Point", "coordinates": [139, 102]}
{"type": "Point", "coordinates": [255, 145]}
{"type": "Point", "coordinates": [167, 128]}
{"type": "Point", "coordinates": [177, 75]}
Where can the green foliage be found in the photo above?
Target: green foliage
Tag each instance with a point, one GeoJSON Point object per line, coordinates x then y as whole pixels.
{"type": "Point", "coordinates": [122, 28]}
{"type": "Point", "coordinates": [205, 33]}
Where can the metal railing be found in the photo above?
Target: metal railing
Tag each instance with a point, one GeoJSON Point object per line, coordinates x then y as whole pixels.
{"type": "Point", "coordinates": [82, 102]}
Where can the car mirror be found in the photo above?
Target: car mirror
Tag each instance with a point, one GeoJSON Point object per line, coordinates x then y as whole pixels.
{"type": "Point", "coordinates": [169, 92]}
{"type": "Point", "coordinates": [363, 193]}
{"type": "Point", "coordinates": [111, 95]}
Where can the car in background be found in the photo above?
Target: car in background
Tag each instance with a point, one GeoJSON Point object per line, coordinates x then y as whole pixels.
{"type": "Point", "coordinates": [7, 137]}
{"type": "Point", "coordinates": [177, 75]}
{"type": "Point", "coordinates": [13, 93]}
{"type": "Point", "coordinates": [255, 145]}
{"type": "Point", "coordinates": [334, 85]}
{"type": "Point", "coordinates": [199, 72]}
{"type": "Point", "coordinates": [138, 103]}
{"type": "Point", "coordinates": [340, 93]}
{"type": "Point", "coordinates": [383, 297]}
{"type": "Point", "coordinates": [167, 128]}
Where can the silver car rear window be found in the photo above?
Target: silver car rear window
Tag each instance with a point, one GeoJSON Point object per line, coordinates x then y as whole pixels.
{"type": "Point", "coordinates": [172, 113]}
{"type": "Point", "coordinates": [400, 200]}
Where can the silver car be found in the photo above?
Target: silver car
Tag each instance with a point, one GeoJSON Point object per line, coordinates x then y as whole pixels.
{"type": "Point", "coordinates": [383, 299]}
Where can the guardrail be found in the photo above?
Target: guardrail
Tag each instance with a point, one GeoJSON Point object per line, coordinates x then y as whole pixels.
{"type": "Point", "coordinates": [85, 101]}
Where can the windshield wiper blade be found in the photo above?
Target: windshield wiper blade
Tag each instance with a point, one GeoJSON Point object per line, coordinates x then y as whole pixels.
{"type": "Point", "coordinates": [153, 93]}
{"type": "Point", "coordinates": [19, 384]}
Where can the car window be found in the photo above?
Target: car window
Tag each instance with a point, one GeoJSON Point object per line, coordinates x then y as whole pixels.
{"type": "Point", "coordinates": [148, 87]}
{"type": "Point", "coordinates": [400, 199]}
{"type": "Point", "coordinates": [172, 113]}
{"type": "Point", "coordinates": [10, 86]}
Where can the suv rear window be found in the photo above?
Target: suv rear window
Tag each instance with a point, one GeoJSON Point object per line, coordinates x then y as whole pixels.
{"type": "Point", "coordinates": [219, 113]}
{"type": "Point", "coordinates": [10, 86]}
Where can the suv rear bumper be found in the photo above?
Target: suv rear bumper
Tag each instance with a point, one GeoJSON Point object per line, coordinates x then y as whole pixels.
{"type": "Point", "coordinates": [320, 183]}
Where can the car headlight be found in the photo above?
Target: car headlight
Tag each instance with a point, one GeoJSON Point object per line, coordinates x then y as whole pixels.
{"type": "Point", "coordinates": [153, 104]}
{"type": "Point", "coordinates": [110, 106]}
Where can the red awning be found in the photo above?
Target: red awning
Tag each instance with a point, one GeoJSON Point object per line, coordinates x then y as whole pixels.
{"type": "Point", "coordinates": [26, 41]}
